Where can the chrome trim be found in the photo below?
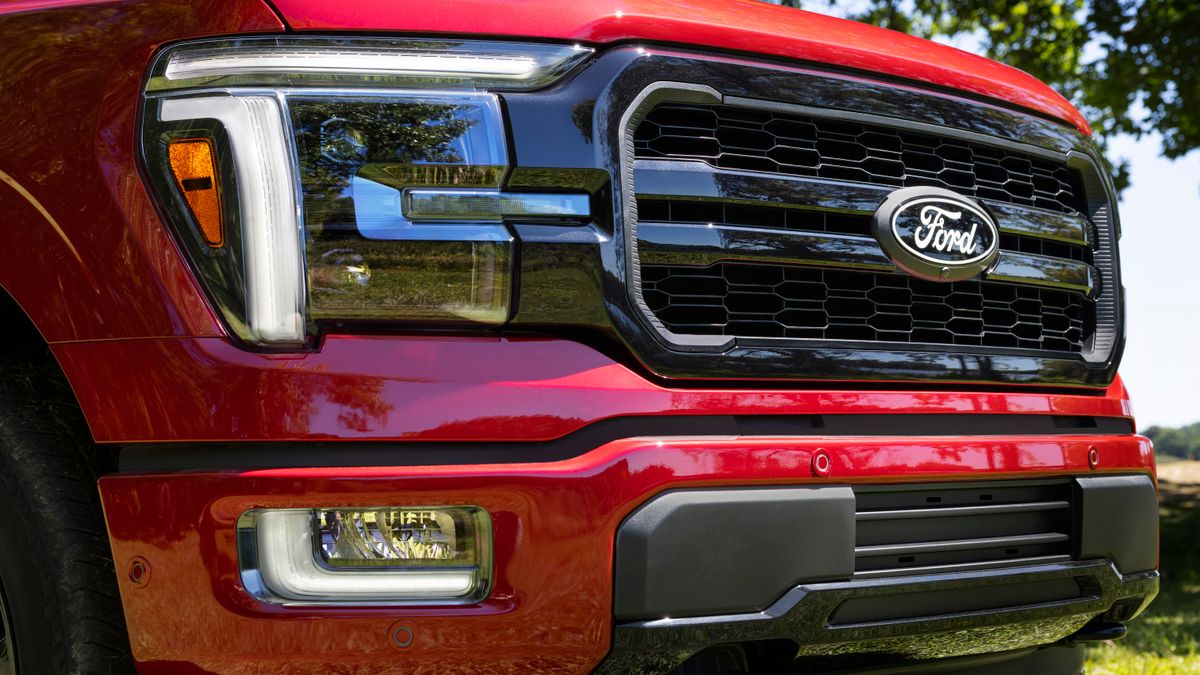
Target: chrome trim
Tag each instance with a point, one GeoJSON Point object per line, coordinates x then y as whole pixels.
{"type": "Point", "coordinates": [700, 244]}
{"type": "Point", "coordinates": [421, 204]}
{"type": "Point", "coordinates": [698, 180]}
{"type": "Point", "coordinates": [1042, 270]}
{"type": "Point", "coordinates": [704, 244]}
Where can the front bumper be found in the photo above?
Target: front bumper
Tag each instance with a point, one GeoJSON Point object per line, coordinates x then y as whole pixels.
{"type": "Point", "coordinates": [555, 524]}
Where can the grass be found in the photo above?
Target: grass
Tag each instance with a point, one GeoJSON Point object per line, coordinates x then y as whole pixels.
{"type": "Point", "coordinates": [1165, 640]}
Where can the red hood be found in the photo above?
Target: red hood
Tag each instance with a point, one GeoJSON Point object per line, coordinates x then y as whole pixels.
{"type": "Point", "coordinates": [742, 25]}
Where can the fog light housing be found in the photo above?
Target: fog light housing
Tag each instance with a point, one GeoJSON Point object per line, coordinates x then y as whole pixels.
{"type": "Point", "coordinates": [408, 555]}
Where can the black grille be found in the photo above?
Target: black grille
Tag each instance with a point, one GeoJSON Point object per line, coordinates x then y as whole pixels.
{"type": "Point", "coordinates": [914, 529]}
{"type": "Point", "coordinates": [732, 137]}
{"type": "Point", "coordinates": [797, 302]}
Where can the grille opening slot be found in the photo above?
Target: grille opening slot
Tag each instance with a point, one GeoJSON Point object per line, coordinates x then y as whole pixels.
{"type": "Point", "coordinates": [1074, 422]}
{"type": "Point", "coordinates": [925, 529]}
{"type": "Point", "coordinates": [749, 215]}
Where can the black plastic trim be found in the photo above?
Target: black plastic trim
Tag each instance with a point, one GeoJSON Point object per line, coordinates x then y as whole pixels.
{"type": "Point", "coordinates": [976, 623]}
{"type": "Point", "coordinates": [157, 457]}
{"type": "Point", "coordinates": [696, 552]}
{"type": "Point", "coordinates": [1118, 520]}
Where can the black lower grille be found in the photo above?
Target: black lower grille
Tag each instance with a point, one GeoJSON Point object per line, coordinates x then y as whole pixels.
{"type": "Point", "coordinates": [918, 529]}
{"type": "Point", "coordinates": [795, 302]}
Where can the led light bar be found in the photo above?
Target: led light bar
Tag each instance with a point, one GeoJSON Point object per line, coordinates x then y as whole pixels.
{"type": "Point", "coordinates": [267, 200]}
{"type": "Point", "coordinates": [428, 62]}
{"type": "Point", "coordinates": [409, 555]}
{"type": "Point", "coordinates": [491, 205]}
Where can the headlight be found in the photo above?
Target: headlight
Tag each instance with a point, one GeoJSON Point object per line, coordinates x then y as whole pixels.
{"type": "Point", "coordinates": [344, 180]}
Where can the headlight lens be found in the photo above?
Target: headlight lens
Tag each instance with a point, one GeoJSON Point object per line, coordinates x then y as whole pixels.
{"type": "Point", "coordinates": [354, 203]}
{"type": "Point", "coordinates": [366, 259]}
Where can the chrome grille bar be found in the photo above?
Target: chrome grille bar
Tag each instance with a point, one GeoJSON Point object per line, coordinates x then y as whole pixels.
{"type": "Point", "coordinates": [705, 244]}
{"type": "Point", "coordinates": [683, 179]}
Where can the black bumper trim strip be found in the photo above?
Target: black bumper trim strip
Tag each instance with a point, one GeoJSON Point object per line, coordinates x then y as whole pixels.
{"type": "Point", "coordinates": [160, 457]}
{"type": "Point", "coordinates": [228, 455]}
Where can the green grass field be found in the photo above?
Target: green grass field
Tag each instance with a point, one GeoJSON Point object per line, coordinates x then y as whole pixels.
{"type": "Point", "coordinates": [1166, 639]}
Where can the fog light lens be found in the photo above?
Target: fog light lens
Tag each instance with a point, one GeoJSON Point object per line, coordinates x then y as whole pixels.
{"type": "Point", "coordinates": [389, 555]}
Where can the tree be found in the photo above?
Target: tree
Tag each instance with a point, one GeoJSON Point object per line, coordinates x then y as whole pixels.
{"type": "Point", "coordinates": [1177, 442]}
{"type": "Point", "coordinates": [1131, 66]}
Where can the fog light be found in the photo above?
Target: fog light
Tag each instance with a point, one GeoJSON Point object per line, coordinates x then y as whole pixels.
{"type": "Point", "coordinates": [387, 555]}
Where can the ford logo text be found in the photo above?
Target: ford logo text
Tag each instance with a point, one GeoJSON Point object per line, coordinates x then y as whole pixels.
{"type": "Point", "coordinates": [936, 234]}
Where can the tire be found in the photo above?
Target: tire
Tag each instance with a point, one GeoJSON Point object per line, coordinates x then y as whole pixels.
{"type": "Point", "coordinates": [62, 610]}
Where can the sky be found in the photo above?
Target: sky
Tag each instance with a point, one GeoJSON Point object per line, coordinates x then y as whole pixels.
{"type": "Point", "coordinates": [1160, 258]}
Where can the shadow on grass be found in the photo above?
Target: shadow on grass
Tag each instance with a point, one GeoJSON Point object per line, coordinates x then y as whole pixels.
{"type": "Point", "coordinates": [1166, 639]}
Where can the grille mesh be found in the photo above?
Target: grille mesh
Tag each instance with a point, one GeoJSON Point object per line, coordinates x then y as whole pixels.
{"type": "Point", "coordinates": [797, 302]}
{"type": "Point", "coordinates": [732, 137]}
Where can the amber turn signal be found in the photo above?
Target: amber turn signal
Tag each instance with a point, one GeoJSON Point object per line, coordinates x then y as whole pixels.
{"type": "Point", "coordinates": [195, 170]}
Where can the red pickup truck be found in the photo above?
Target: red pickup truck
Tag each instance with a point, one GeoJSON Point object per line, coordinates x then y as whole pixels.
{"type": "Point", "coordinates": [628, 336]}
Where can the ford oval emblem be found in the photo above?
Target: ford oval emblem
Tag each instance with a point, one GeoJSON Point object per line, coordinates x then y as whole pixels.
{"type": "Point", "coordinates": [936, 234]}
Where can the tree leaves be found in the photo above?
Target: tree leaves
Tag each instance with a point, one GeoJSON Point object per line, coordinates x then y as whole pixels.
{"type": "Point", "coordinates": [1131, 66]}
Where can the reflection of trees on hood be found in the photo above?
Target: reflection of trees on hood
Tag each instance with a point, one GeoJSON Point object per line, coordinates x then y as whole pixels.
{"type": "Point", "coordinates": [371, 133]}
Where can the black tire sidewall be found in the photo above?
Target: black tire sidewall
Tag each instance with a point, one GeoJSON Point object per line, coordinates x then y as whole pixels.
{"type": "Point", "coordinates": [29, 592]}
